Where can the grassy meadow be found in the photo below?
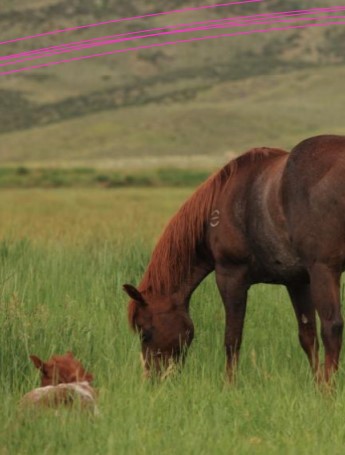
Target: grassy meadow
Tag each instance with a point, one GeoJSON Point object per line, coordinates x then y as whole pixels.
{"type": "Point", "coordinates": [64, 257]}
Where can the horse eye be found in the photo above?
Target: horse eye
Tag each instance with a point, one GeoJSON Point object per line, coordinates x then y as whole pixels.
{"type": "Point", "coordinates": [146, 336]}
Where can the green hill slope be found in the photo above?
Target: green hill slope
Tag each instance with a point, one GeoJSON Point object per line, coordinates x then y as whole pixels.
{"type": "Point", "coordinates": [228, 118]}
{"type": "Point", "coordinates": [200, 98]}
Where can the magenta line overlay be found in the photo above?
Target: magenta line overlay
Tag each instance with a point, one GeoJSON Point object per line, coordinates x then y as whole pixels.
{"type": "Point", "coordinates": [230, 19]}
{"type": "Point", "coordinates": [228, 24]}
{"type": "Point", "coordinates": [169, 43]}
{"type": "Point", "coordinates": [113, 21]}
{"type": "Point", "coordinates": [196, 29]}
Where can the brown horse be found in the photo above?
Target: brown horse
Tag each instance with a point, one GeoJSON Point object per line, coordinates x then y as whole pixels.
{"type": "Point", "coordinates": [267, 217]}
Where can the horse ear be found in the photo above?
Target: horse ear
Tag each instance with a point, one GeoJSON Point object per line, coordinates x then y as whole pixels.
{"type": "Point", "coordinates": [37, 362]}
{"type": "Point", "coordinates": [134, 294]}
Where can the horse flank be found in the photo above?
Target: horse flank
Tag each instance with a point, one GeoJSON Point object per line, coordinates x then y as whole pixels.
{"type": "Point", "coordinates": [175, 251]}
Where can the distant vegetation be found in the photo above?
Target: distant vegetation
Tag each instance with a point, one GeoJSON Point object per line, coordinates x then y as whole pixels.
{"type": "Point", "coordinates": [24, 177]}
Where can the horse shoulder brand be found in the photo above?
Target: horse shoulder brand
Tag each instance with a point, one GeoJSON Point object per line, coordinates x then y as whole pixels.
{"type": "Point", "coordinates": [215, 218]}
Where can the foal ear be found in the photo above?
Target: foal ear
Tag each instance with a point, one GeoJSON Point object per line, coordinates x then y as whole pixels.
{"type": "Point", "coordinates": [37, 362]}
{"type": "Point", "coordinates": [134, 294]}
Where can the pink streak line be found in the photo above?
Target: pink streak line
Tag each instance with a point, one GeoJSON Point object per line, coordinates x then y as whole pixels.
{"type": "Point", "coordinates": [113, 21]}
{"type": "Point", "coordinates": [234, 19]}
{"type": "Point", "coordinates": [169, 43]}
{"type": "Point", "coordinates": [186, 30]}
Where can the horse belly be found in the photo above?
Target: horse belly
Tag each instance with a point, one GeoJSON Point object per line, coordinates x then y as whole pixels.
{"type": "Point", "coordinates": [272, 263]}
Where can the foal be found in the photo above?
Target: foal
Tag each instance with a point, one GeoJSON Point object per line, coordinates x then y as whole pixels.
{"type": "Point", "coordinates": [63, 382]}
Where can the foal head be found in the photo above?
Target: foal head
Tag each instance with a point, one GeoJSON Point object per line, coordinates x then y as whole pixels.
{"type": "Point", "coordinates": [61, 369]}
{"type": "Point", "coordinates": [164, 326]}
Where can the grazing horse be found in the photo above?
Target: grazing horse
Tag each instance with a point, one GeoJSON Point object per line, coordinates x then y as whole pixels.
{"type": "Point", "coordinates": [268, 216]}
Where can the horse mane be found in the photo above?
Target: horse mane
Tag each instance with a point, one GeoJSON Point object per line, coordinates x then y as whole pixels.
{"type": "Point", "coordinates": [175, 251]}
{"type": "Point", "coordinates": [173, 255]}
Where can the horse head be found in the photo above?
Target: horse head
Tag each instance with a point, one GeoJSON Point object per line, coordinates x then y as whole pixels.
{"type": "Point", "coordinates": [61, 370]}
{"type": "Point", "coordinates": [164, 327]}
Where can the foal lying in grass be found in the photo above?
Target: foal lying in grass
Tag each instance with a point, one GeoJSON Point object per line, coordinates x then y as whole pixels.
{"type": "Point", "coordinates": [63, 382]}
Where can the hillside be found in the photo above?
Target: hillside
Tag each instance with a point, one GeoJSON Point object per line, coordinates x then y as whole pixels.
{"type": "Point", "coordinates": [201, 98]}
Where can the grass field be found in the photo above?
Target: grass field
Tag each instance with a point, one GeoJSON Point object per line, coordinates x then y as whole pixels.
{"type": "Point", "coordinates": [64, 256]}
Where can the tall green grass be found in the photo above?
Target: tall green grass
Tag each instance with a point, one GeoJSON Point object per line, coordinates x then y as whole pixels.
{"type": "Point", "coordinates": [64, 256]}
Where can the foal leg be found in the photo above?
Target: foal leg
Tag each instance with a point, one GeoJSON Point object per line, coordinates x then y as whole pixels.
{"type": "Point", "coordinates": [325, 294]}
{"type": "Point", "coordinates": [305, 314]}
{"type": "Point", "coordinates": [233, 290]}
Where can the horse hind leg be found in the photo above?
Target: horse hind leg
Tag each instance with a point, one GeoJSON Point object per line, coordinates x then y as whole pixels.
{"type": "Point", "coordinates": [306, 319]}
{"type": "Point", "coordinates": [325, 294]}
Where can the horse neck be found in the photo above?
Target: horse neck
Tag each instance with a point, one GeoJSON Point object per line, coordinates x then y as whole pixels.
{"type": "Point", "coordinates": [183, 291]}
{"type": "Point", "coordinates": [181, 259]}
{"type": "Point", "coordinates": [196, 275]}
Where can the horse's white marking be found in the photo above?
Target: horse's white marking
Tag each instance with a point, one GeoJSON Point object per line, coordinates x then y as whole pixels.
{"type": "Point", "coordinates": [49, 395]}
{"type": "Point", "coordinates": [82, 389]}
{"type": "Point", "coordinates": [304, 319]}
{"type": "Point", "coordinates": [215, 218]}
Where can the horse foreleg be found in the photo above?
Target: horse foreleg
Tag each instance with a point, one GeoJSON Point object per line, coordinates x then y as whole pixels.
{"type": "Point", "coordinates": [325, 294]}
{"type": "Point", "coordinates": [233, 289]}
{"type": "Point", "coordinates": [305, 314]}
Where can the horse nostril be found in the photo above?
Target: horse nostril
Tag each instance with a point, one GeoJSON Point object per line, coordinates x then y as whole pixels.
{"type": "Point", "coordinates": [146, 336]}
